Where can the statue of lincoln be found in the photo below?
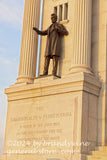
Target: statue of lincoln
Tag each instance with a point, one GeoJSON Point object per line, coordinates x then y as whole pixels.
{"type": "Point", "coordinates": [53, 33]}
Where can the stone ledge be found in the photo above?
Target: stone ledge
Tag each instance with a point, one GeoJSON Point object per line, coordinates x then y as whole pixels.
{"type": "Point", "coordinates": [33, 157]}
{"type": "Point", "coordinates": [51, 85]}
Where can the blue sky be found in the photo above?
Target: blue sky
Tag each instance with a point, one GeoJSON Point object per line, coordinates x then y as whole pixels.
{"type": "Point", "coordinates": [11, 19]}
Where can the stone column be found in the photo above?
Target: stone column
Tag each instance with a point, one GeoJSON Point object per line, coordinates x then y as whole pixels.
{"type": "Point", "coordinates": [81, 59]}
{"type": "Point", "coordinates": [28, 55]}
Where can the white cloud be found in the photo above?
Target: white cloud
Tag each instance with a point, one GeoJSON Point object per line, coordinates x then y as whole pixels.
{"type": "Point", "coordinates": [11, 12]}
{"type": "Point", "coordinates": [9, 72]}
{"type": "Point", "coordinates": [3, 109]}
{"type": "Point", "coordinates": [5, 61]}
{"type": "Point", "coordinates": [1, 145]}
{"type": "Point", "coordinates": [2, 50]}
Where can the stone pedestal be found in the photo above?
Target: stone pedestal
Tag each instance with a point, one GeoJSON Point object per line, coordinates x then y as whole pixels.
{"type": "Point", "coordinates": [52, 111]}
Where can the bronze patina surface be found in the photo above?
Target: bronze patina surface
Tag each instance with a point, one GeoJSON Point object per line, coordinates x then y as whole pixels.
{"type": "Point", "coordinates": [54, 31]}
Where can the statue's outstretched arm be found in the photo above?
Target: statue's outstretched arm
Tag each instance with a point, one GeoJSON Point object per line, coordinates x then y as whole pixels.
{"type": "Point", "coordinates": [43, 33]}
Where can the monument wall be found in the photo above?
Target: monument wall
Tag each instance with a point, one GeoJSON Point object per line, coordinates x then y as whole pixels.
{"type": "Point", "coordinates": [99, 63]}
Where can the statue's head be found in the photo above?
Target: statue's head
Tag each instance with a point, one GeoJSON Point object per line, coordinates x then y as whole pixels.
{"type": "Point", "coordinates": [53, 18]}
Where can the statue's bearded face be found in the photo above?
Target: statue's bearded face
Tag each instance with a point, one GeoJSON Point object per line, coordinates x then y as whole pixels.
{"type": "Point", "coordinates": [53, 19]}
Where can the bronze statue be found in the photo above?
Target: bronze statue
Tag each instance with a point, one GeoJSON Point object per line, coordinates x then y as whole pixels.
{"type": "Point", "coordinates": [53, 33]}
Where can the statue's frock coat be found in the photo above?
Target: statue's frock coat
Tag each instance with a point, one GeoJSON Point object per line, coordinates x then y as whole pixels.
{"type": "Point", "coordinates": [53, 33]}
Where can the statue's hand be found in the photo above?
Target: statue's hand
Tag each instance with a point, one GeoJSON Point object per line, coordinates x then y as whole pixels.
{"type": "Point", "coordinates": [40, 32]}
{"type": "Point", "coordinates": [35, 29]}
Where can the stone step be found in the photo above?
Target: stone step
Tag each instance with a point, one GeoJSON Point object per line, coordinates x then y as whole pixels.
{"type": "Point", "coordinates": [93, 158]}
{"type": "Point", "coordinates": [104, 158]}
{"type": "Point", "coordinates": [100, 148]}
{"type": "Point", "coordinates": [104, 148]}
{"type": "Point", "coordinates": [100, 154]}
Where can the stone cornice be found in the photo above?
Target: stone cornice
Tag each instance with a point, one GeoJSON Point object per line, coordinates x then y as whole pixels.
{"type": "Point", "coordinates": [51, 85]}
